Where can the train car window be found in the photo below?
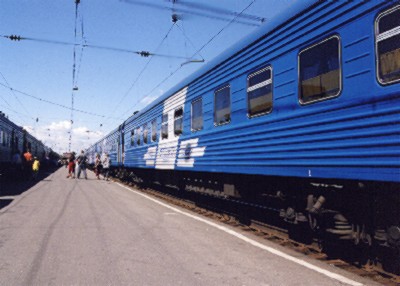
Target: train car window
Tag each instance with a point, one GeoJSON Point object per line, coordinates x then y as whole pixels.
{"type": "Point", "coordinates": [197, 114]}
{"type": "Point", "coordinates": [178, 121]}
{"type": "Point", "coordinates": [138, 135]}
{"type": "Point", "coordinates": [259, 92]}
{"type": "Point", "coordinates": [132, 138]}
{"type": "Point", "coordinates": [222, 105]}
{"type": "Point", "coordinates": [319, 71]}
{"type": "Point", "coordinates": [145, 133]}
{"type": "Point", "coordinates": [387, 30]}
{"type": "Point", "coordinates": [164, 126]}
{"type": "Point", "coordinates": [154, 130]}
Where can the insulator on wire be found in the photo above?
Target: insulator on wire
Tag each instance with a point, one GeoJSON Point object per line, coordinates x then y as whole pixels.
{"type": "Point", "coordinates": [175, 18]}
{"type": "Point", "coordinates": [144, 54]}
{"type": "Point", "coordinates": [15, 38]}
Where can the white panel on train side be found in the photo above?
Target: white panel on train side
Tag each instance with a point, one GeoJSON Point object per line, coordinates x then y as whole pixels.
{"type": "Point", "coordinates": [188, 150]}
{"type": "Point", "coordinates": [167, 155]}
{"type": "Point", "coordinates": [168, 148]}
{"type": "Point", "coordinates": [150, 156]}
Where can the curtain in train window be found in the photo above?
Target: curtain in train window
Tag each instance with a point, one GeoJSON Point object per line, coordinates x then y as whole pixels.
{"type": "Point", "coordinates": [145, 133]}
{"type": "Point", "coordinates": [154, 130]}
{"type": "Point", "coordinates": [138, 135]}
{"type": "Point", "coordinates": [259, 92]}
{"type": "Point", "coordinates": [319, 71]}
{"type": "Point", "coordinates": [388, 46]}
{"type": "Point", "coordinates": [164, 126]}
{"type": "Point", "coordinates": [222, 111]}
{"type": "Point", "coordinates": [2, 138]}
{"type": "Point", "coordinates": [197, 114]}
{"type": "Point", "coordinates": [178, 121]}
{"type": "Point", "coordinates": [132, 138]}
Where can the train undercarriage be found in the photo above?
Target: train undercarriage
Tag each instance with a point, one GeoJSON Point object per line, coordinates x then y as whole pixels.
{"type": "Point", "coordinates": [351, 220]}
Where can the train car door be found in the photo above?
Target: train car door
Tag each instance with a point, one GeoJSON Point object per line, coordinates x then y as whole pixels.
{"type": "Point", "coordinates": [121, 145]}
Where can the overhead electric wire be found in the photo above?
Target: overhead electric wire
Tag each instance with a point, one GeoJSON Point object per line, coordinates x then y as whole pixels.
{"type": "Point", "coordinates": [54, 103]}
{"type": "Point", "coordinates": [144, 54]}
{"type": "Point", "coordinates": [220, 31]}
{"type": "Point", "coordinates": [187, 11]}
{"type": "Point", "coordinates": [21, 38]}
{"type": "Point", "coordinates": [81, 54]}
{"type": "Point", "coordinates": [187, 38]}
{"type": "Point", "coordinates": [217, 10]}
{"type": "Point", "coordinates": [143, 69]}
{"type": "Point", "coordinates": [10, 107]}
{"type": "Point", "coordinates": [16, 97]}
{"type": "Point", "coordinates": [197, 52]}
{"type": "Point", "coordinates": [73, 76]}
{"type": "Point", "coordinates": [14, 111]}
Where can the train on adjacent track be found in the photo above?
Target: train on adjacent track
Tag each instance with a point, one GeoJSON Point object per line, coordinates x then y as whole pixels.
{"type": "Point", "coordinates": [14, 138]}
{"type": "Point", "coordinates": [303, 115]}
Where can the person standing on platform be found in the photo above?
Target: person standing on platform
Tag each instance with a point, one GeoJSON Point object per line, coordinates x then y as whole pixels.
{"type": "Point", "coordinates": [97, 166]}
{"type": "Point", "coordinates": [28, 164]}
{"type": "Point", "coordinates": [82, 160]}
{"type": "Point", "coordinates": [71, 166]}
{"type": "Point", "coordinates": [106, 166]}
{"type": "Point", "coordinates": [35, 168]}
{"type": "Point", "coordinates": [28, 156]}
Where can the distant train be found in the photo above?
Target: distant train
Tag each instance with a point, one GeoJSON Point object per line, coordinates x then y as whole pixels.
{"type": "Point", "coordinates": [14, 138]}
{"type": "Point", "coordinates": [303, 114]}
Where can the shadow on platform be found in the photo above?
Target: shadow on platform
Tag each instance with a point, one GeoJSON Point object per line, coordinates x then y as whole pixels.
{"type": "Point", "coordinates": [9, 189]}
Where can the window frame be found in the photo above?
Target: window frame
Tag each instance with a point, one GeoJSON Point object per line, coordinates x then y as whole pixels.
{"type": "Point", "coordinates": [230, 105]}
{"type": "Point", "coordinates": [340, 70]}
{"type": "Point", "coordinates": [133, 138]}
{"type": "Point", "coordinates": [154, 130]}
{"type": "Point", "coordinates": [191, 114]}
{"type": "Point", "coordinates": [258, 71]}
{"type": "Point", "coordinates": [376, 34]}
{"type": "Point", "coordinates": [138, 134]}
{"type": "Point", "coordinates": [162, 124]}
{"type": "Point", "coordinates": [176, 118]}
{"type": "Point", "coordinates": [145, 132]}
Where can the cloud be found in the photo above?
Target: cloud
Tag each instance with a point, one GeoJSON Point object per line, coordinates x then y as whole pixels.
{"type": "Point", "coordinates": [56, 136]}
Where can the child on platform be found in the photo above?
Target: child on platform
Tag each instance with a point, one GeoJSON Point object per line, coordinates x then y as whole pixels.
{"type": "Point", "coordinates": [35, 168]}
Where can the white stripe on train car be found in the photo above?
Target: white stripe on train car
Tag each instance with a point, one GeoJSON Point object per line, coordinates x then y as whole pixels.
{"type": "Point", "coordinates": [188, 150]}
{"type": "Point", "coordinates": [150, 156]}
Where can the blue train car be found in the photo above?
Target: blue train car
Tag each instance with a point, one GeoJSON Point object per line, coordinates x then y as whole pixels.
{"type": "Point", "coordinates": [300, 101]}
{"type": "Point", "coordinates": [307, 108]}
{"type": "Point", "coordinates": [110, 144]}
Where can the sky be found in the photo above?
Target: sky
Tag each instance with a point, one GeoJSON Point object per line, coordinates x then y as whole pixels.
{"type": "Point", "coordinates": [90, 54]}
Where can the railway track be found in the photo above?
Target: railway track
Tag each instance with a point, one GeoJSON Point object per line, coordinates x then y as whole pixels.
{"type": "Point", "coordinates": [242, 215]}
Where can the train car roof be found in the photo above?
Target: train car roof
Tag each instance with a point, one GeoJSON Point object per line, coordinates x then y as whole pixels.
{"type": "Point", "coordinates": [270, 25]}
{"type": "Point", "coordinates": [5, 119]}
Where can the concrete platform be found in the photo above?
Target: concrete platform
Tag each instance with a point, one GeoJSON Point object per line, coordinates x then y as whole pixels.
{"type": "Point", "coordinates": [92, 232]}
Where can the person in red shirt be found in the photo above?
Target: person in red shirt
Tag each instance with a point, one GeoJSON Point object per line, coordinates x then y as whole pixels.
{"type": "Point", "coordinates": [71, 166]}
{"type": "Point", "coordinates": [28, 156]}
{"type": "Point", "coordinates": [28, 164]}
